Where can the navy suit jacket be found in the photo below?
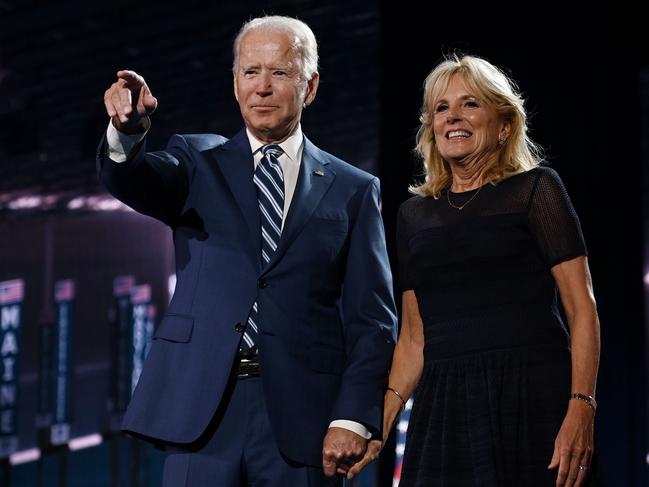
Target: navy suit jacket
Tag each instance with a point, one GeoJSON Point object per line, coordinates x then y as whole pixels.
{"type": "Point", "coordinates": [327, 320]}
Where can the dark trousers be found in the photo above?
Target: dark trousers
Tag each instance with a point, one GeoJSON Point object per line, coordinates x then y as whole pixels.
{"type": "Point", "coordinates": [239, 450]}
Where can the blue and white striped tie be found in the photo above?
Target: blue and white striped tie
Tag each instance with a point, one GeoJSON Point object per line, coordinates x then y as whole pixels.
{"type": "Point", "coordinates": [269, 180]}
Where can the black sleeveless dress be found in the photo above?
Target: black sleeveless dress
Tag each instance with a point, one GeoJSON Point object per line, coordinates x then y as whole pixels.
{"type": "Point", "coordinates": [497, 373]}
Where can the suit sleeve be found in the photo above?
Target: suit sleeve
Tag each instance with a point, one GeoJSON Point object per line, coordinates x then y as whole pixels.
{"type": "Point", "coordinates": [152, 183]}
{"type": "Point", "coordinates": [369, 317]}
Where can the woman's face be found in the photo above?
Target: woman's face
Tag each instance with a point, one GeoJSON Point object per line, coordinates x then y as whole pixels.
{"type": "Point", "coordinates": [466, 127]}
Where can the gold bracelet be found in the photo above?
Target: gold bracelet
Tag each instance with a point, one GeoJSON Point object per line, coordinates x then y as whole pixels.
{"type": "Point", "coordinates": [403, 402]}
{"type": "Point", "coordinates": [590, 400]}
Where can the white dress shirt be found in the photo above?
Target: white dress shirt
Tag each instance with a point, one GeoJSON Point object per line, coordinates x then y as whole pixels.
{"type": "Point", "coordinates": [120, 146]}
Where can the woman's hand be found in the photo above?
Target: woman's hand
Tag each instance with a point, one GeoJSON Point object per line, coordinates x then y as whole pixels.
{"type": "Point", "coordinates": [573, 446]}
{"type": "Point", "coordinates": [374, 447]}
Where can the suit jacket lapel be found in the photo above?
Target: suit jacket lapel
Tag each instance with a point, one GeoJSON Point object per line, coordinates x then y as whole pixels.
{"type": "Point", "coordinates": [313, 182]}
{"type": "Point", "coordinates": [234, 159]}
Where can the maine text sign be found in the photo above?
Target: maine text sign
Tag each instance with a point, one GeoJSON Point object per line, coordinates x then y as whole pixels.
{"type": "Point", "coordinates": [11, 298]}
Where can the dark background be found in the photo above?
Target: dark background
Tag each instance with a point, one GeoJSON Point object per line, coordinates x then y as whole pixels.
{"type": "Point", "coordinates": [585, 84]}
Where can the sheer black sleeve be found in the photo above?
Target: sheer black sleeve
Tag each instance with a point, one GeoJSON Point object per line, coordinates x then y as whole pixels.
{"type": "Point", "coordinates": [553, 220]}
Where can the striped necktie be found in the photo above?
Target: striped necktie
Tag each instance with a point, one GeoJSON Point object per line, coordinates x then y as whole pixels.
{"type": "Point", "coordinates": [269, 180]}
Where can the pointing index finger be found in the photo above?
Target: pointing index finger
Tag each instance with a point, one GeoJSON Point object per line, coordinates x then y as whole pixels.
{"type": "Point", "coordinates": [131, 77]}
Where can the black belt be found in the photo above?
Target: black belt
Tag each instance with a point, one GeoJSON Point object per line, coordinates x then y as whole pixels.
{"type": "Point", "coordinates": [247, 367]}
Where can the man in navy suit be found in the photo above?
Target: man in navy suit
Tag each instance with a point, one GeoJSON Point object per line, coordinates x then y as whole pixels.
{"type": "Point", "coordinates": [270, 365]}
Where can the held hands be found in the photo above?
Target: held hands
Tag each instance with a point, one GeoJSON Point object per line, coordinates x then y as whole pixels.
{"type": "Point", "coordinates": [573, 447]}
{"type": "Point", "coordinates": [393, 405]}
{"type": "Point", "coordinates": [128, 101]}
{"type": "Point", "coordinates": [341, 449]}
{"type": "Point", "coordinates": [374, 447]}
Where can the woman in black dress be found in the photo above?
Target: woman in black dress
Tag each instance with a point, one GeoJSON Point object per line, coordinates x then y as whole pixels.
{"type": "Point", "coordinates": [505, 392]}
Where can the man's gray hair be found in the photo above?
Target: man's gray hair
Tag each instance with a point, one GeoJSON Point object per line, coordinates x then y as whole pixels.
{"type": "Point", "coordinates": [302, 39]}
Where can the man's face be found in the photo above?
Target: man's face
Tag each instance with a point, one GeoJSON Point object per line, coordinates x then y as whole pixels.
{"type": "Point", "coordinates": [269, 85]}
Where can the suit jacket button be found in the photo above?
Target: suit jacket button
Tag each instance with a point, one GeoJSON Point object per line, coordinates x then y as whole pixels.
{"type": "Point", "coordinates": [239, 327]}
{"type": "Point", "coordinates": [262, 284]}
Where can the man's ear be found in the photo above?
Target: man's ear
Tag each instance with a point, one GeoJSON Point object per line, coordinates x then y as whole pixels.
{"type": "Point", "coordinates": [312, 88]}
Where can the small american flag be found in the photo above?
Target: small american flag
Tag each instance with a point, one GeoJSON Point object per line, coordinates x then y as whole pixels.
{"type": "Point", "coordinates": [12, 291]}
{"type": "Point", "coordinates": [122, 285]}
{"type": "Point", "coordinates": [64, 290]}
{"type": "Point", "coordinates": [141, 294]}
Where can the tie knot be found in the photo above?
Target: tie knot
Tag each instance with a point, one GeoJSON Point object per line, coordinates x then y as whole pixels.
{"type": "Point", "coordinates": [272, 149]}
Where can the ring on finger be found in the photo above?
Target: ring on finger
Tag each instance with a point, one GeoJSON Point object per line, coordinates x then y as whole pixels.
{"type": "Point", "coordinates": [583, 467]}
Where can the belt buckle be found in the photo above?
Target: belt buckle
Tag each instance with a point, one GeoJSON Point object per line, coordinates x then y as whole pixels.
{"type": "Point", "coordinates": [247, 368]}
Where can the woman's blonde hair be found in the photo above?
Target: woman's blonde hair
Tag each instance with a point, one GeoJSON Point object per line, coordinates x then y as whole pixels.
{"type": "Point", "coordinates": [519, 153]}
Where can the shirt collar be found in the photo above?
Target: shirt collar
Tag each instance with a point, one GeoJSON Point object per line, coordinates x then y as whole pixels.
{"type": "Point", "coordinates": [290, 146]}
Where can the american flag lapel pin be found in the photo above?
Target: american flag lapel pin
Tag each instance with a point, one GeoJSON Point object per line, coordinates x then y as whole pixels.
{"type": "Point", "coordinates": [318, 173]}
